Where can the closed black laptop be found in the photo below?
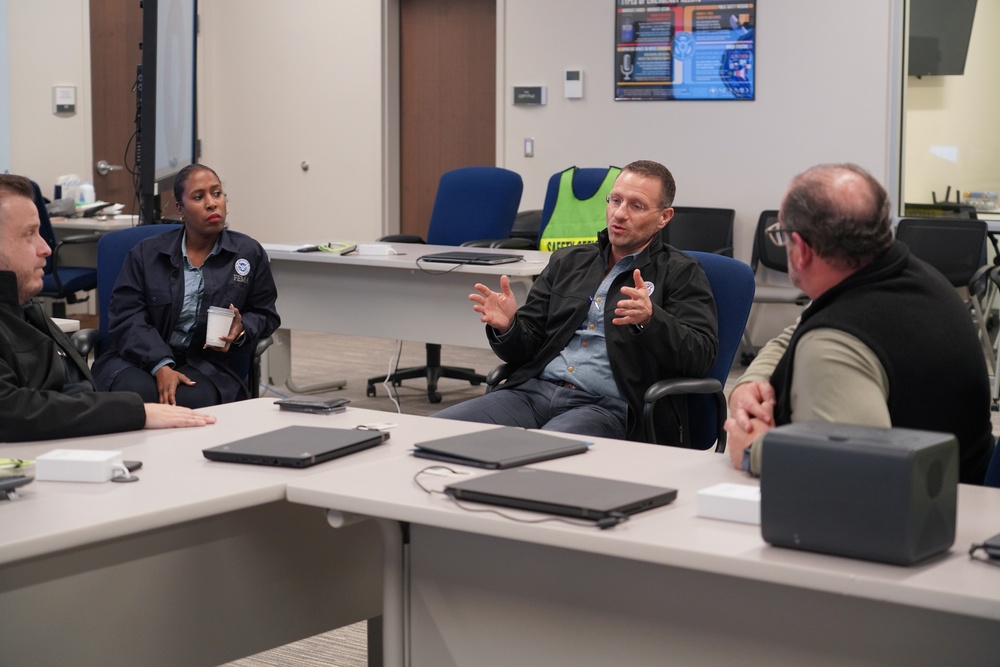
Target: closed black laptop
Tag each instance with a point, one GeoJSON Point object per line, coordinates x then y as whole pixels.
{"type": "Point", "coordinates": [561, 493]}
{"type": "Point", "coordinates": [496, 448]}
{"type": "Point", "coordinates": [296, 446]}
{"type": "Point", "coordinates": [468, 257]}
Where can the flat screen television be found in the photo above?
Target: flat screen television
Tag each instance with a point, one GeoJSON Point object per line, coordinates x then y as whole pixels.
{"type": "Point", "coordinates": [939, 36]}
{"type": "Point", "coordinates": [684, 50]}
{"type": "Point", "coordinates": [166, 112]}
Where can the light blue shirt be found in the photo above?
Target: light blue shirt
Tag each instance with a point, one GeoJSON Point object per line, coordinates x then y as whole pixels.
{"type": "Point", "coordinates": [194, 288]}
{"type": "Point", "coordinates": [584, 362]}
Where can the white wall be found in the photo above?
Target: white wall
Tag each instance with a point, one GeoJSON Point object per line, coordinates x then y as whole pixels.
{"type": "Point", "coordinates": [957, 112]}
{"type": "Point", "coordinates": [284, 83]}
{"type": "Point", "coordinates": [824, 77]}
{"type": "Point", "coordinates": [48, 44]}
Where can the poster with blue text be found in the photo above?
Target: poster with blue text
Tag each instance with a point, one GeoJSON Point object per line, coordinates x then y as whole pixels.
{"type": "Point", "coordinates": [684, 50]}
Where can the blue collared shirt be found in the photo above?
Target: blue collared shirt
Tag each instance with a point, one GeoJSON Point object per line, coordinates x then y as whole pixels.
{"type": "Point", "coordinates": [584, 362]}
{"type": "Point", "coordinates": [194, 288]}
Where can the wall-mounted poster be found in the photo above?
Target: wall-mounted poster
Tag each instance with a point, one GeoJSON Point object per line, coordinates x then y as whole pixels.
{"type": "Point", "coordinates": [684, 50]}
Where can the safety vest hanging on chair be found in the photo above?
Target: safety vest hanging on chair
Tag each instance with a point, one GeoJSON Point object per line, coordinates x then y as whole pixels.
{"type": "Point", "coordinates": [577, 221]}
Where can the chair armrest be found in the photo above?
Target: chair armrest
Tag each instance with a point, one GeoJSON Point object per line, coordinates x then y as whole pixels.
{"type": "Point", "coordinates": [497, 375]}
{"type": "Point", "coordinates": [401, 238]}
{"type": "Point", "coordinates": [79, 238]}
{"type": "Point", "coordinates": [85, 340]}
{"type": "Point", "coordinates": [479, 243]}
{"type": "Point", "coordinates": [678, 386]}
{"type": "Point", "coordinates": [515, 243]}
{"type": "Point", "coordinates": [685, 386]}
{"type": "Point", "coordinates": [262, 346]}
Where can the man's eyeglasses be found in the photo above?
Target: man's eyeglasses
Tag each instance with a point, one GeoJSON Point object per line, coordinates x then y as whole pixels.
{"type": "Point", "coordinates": [777, 234]}
{"type": "Point", "coordinates": [634, 207]}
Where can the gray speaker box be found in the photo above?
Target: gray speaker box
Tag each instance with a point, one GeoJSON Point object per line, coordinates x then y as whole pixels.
{"type": "Point", "coordinates": [886, 495]}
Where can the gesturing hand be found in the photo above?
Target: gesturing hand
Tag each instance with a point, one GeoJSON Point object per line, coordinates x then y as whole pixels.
{"type": "Point", "coordinates": [637, 308]}
{"type": "Point", "coordinates": [497, 308]}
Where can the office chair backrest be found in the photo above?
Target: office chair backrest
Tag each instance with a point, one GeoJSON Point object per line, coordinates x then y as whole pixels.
{"type": "Point", "coordinates": [764, 252]}
{"type": "Point", "coordinates": [954, 246]}
{"type": "Point", "coordinates": [993, 471]}
{"type": "Point", "coordinates": [586, 183]}
{"type": "Point", "coordinates": [45, 225]}
{"type": "Point", "coordinates": [111, 252]}
{"type": "Point", "coordinates": [474, 203]}
{"type": "Point", "coordinates": [701, 229]}
{"type": "Point", "coordinates": [733, 288]}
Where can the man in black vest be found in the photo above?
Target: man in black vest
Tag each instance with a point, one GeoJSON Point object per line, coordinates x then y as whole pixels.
{"type": "Point", "coordinates": [885, 342]}
{"type": "Point", "coordinates": [46, 389]}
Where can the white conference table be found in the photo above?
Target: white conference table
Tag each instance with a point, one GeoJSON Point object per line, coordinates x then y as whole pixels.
{"type": "Point", "coordinates": [392, 296]}
{"type": "Point", "coordinates": [667, 587]}
{"type": "Point", "coordinates": [197, 563]}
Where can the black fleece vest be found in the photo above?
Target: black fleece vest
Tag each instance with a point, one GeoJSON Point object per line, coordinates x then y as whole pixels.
{"type": "Point", "coordinates": [923, 335]}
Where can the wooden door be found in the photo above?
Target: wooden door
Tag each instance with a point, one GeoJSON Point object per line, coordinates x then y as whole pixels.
{"type": "Point", "coordinates": [115, 34]}
{"type": "Point", "coordinates": [447, 97]}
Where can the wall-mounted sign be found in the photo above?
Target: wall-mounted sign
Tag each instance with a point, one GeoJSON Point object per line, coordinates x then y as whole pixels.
{"type": "Point", "coordinates": [684, 50]}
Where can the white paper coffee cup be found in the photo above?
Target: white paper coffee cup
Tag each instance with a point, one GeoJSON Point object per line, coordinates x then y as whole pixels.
{"type": "Point", "coordinates": [219, 322]}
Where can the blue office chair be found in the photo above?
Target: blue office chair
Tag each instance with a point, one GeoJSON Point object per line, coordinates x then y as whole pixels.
{"type": "Point", "coordinates": [63, 283]}
{"type": "Point", "coordinates": [733, 288]}
{"type": "Point", "coordinates": [473, 206]}
{"type": "Point", "coordinates": [993, 471]}
{"type": "Point", "coordinates": [111, 251]}
{"type": "Point", "coordinates": [586, 182]}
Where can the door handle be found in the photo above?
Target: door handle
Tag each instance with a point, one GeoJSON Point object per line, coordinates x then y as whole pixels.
{"type": "Point", "coordinates": [103, 167]}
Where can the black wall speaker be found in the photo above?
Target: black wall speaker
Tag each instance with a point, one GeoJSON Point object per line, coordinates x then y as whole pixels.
{"type": "Point", "coordinates": [887, 495]}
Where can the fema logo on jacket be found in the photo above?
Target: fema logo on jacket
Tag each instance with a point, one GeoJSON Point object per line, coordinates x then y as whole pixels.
{"type": "Point", "coordinates": [242, 275]}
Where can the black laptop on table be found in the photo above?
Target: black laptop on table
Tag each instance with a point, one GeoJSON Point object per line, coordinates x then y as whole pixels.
{"type": "Point", "coordinates": [296, 446]}
{"type": "Point", "coordinates": [497, 448]}
{"type": "Point", "coordinates": [471, 257]}
{"type": "Point", "coordinates": [561, 493]}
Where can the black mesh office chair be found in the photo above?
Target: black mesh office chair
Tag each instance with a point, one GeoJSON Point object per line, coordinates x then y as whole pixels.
{"type": "Point", "coordinates": [770, 267]}
{"type": "Point", "coordinates": [957, 248]}
{"type": "Point", "coordinates": [701, 229]}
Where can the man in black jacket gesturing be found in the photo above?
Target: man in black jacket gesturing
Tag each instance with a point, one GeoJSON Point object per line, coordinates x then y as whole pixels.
{"type": "Point", "coordinates": [601, 323]}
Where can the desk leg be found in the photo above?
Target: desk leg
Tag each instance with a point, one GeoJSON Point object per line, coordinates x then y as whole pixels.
{"type": "Point", "coordinates": [395, 585]}
{"type": "Point", "coordinates": [279, 367]}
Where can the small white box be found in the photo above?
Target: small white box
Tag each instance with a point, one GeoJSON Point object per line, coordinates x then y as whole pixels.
{"type": "Point", "coordinates": [77, 465]}
{"type": "Point", "coordinates": [730, 502]}
{"type": "Point", "coordinates": [376, 249]}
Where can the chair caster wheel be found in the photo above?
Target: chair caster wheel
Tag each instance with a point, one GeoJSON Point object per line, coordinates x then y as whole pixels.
{"type": "Point", "coordinates": [433, 397]}
{"type": "Point", "coordinates": [370, 391]}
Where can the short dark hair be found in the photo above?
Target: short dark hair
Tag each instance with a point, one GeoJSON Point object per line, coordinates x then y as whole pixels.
{"type": "Point", "coordinates": [15, 185]}
{"type": "Point", "coordinates": [180, 181]}
{"type": "Point", "coordinates": [656, 170]}
{"type": "Point", "coordinates": [841, 211]}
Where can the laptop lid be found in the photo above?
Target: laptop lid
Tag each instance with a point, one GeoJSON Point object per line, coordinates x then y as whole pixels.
{"type": "Point", "coordinates": [468, 257]}
{"type": "Point", "coordinates": [497, 448]}
{"type": "Point", "coordinates": [296, 446]}
{"type": "Point", "coordinates": [561, 493]}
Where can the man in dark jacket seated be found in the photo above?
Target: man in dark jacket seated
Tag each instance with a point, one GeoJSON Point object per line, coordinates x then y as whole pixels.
{"type": "Point", "coordinates": [601, 323]}
{"type": "Point", "coordinates": [46, 389]}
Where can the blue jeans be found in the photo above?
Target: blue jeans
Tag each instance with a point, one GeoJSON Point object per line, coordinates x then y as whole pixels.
{"type": "Point", "coordinates": [548, 406]}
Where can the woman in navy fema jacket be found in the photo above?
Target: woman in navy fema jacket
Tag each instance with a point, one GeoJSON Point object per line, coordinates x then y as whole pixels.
{"type": "Point", "coordinates": [158, 310]}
